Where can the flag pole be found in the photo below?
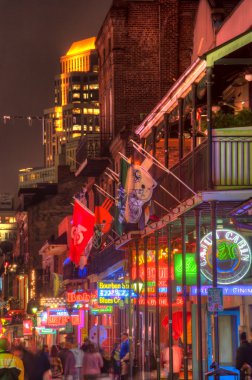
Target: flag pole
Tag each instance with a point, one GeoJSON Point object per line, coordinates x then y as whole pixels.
{"type": "Point", "coordinates": [161, 187]}
{"type": "Point", "coordinates": [103, 192]}
{"type": "Point", "coordinates": [158, 163]}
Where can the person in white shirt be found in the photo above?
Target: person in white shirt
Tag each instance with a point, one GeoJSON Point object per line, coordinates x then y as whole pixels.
{"type": "Point", "coordinates": [177, 360]}
{"type": "Point", "coordinates": [78, 355]}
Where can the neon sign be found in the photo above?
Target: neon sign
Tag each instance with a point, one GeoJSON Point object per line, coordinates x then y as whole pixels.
{"type": "Point", "coordinates": [111, 292]}
{"type": "Point", "coordinates": [233, 256]}
{"type": "Point", "coordinates": [191, 268]}
{"type": "Point", "coordinates": [228, 290]}
{"type": "Point", "coordinates": [59, 317]}
{"type": "Point", "coordinates": [83, 296]}
{"type": "Point", "coordinates": [163, 301]}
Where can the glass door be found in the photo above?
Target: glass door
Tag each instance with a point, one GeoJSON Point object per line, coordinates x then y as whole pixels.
{"type": "Point", "coordinates": [229, 321]}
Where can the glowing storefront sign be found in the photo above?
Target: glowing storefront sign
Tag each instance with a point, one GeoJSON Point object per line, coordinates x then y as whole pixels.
{"type": "Point", "coordinates": [228, 290]}
{"type": "Point", "coordinates": [111, 292]}
{"type": "Point", "coordinates": [59, 317]}
{"type": "Point", "coordinates": [81, 296]}
{"type": "Point", "coordinates": [191, 268]}
{"type": "Point", "coordinates": [163, 301]}
{"type": "Point", "coordinates": [100, 309]}
{"type": "Point", "coordinates": [27, 327]}
{"type": "Point", "coordinates": [233, 256]}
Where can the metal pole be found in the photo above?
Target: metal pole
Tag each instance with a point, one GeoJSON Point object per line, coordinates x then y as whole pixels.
{"type": "Point", "coordinates": [214, 264]}
{"type": "Point", "coordinates": [209, 124]}
{"type": "Point", "coordinates": [137, 336]}
{"type": "Point", "coordinates": [157, 308]}
{"type": "Point", "coordinates": [130, 317]}
{"type": "Point", "coordinates": [181, 128]}
{"type": "Point", "coordinates": [154, 135]}
{"type": "Point", "coordinates": [169, 294]}
{"type": "Point", "coordinates": [146, 311]}
{"type": "Point", "coordinates": [166, 139]}
{"type": "Point", "coordinates": [199, 303]}
{"type": "Point", "coordinates": [194, 113]}
{"type": "Point", "coordinates": [184, 298]}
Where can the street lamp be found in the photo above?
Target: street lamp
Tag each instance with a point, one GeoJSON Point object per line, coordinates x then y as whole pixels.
{"type": "Point", "coordinates": [137, 286]}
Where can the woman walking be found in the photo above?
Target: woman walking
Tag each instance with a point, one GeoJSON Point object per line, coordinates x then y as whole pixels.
{"type": "Point", "coordinates": [92, 363]}
{"type": "Point", "coordinates": [55, 362]}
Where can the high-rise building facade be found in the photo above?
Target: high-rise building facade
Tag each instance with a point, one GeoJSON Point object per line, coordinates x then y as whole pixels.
{"type": "Point", "coordinates": [76, 104]}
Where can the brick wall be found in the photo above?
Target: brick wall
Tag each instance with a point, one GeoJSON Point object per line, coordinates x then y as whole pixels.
{"type": "Point", "coordinates": [147, 45]}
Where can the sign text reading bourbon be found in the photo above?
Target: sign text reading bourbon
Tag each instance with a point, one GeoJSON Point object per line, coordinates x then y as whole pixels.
{"type": "Point", "coordinates": [233, 256]}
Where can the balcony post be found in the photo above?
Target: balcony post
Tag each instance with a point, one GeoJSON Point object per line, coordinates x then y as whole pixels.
{"type": "Point", "coordinates": [157, 307]}
{"type": "Point", "coordinates": [184, 296]}
{"type": "Point", "coordinates": [146, 310]}
{"type": "Point", "coordinates": [194, 112]}
{"type": "Point", "coordinates": [166, 139]}
{"type": "Point", "coordinates": [209, 75]}
{"type": "Point", "coordinates": [154, 143]}
{"type": "Point", "coordinates": [181, 127]}
{"type": "Point", "coordinates": [199, 303]}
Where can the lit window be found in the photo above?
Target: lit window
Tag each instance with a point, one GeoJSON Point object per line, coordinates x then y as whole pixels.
{"type": "Point", "coordinates": [85, 127]}
{"type": "Point", "coordinates": [76, 135]}
{"type": "Point", "coordinates": [76, 95]}
{"type": "Point", "coordinates": [76, 86]}
{"type": "Point", "coordinates": [90, 128]}
{"type": "Point", "coordinates": [96, 111]}
{"type": "Point", "coordinates": [85, 95]}
{"type": "Point", "coordinates": [76, 127]}
{"type": "Point", "coordinates": [94, 86]}
{"type": "Point", "coordinates": [76, 111]}
{"type": "Point", "coordinates": [97, 128]}
{"type": "Point", "coordinates": [85, 87]}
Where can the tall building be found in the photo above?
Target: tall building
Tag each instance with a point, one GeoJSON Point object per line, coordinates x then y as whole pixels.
{"type": "Point", "coordinates": [76, 106]}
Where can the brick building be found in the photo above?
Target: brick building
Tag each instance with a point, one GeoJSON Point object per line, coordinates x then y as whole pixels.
{"type": "Point", "coordinates": [143, 47]}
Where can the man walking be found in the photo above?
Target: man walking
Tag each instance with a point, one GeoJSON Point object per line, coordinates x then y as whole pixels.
{"type": "Point", "coordinates": [124, 356]}
{"type": "Point", "coordinates": [244, 356]}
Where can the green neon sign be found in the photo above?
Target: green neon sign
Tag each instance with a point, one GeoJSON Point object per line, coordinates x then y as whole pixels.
{"type": "Point", "coordinates": [191, 269]}
{"type": "Point", "coordinates": [102, 310]}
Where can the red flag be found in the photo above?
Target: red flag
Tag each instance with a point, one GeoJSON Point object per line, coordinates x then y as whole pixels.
{"type": "Point", "coordinates": [82, 230]}
{"type": "Point", "coordinates": [102, 216]}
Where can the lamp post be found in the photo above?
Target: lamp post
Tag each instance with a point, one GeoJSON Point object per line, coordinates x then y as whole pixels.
{"type": "Point", "coordinates": [34, 310]}
{"type": "Point", "coordinates": [137, 286]}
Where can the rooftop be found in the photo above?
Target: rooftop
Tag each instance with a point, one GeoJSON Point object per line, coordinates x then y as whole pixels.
{"type": "Point", "coordinates": [82, 46]}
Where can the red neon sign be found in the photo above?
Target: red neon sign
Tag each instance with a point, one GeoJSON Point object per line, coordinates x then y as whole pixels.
{"type": "Point", "coordinates": [83, 296]}
{"type": "Point", "coordinates": [27, 327]}
{"type": "Point", "coordinates": [163, 302]}
{"type": "Point", "coordinates": [61, 320]}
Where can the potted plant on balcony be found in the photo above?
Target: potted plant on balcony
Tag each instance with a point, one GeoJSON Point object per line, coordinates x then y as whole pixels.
{"type": "Point", "coordinates": [228, 120]}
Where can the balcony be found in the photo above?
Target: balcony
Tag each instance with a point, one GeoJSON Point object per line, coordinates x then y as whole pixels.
{"type": "Point", "coordinates": [231, 166]}
{"type": "Point", "coordinates": [93, 154]}
{"type": "Point", "coordinates": [29, 178]}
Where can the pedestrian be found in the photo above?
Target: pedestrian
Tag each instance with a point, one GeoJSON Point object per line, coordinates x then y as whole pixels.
{"type": "Point", "coordinates": [244, 357]}
{"type": "Point", "coordinates": [55, 362]}
{"type": "Point", "coordinates": [42, 365]}
{"type": "Point", "coordinates": [115, 361]}
{"type": "Point", "coordinates": [92, 363]}
{"type": "Point", "coordinates": [11, 366]}
{"type": "Point", "coordinates": [78, 355]}
{"type": "Point", "coordinates": [28, 359]}
{"type": "Point", "coordinates": [124, 356]}
{"type": "Point", "coordinates": [177, 354]}
{"type": "Point", "coordinates": [68, 362]}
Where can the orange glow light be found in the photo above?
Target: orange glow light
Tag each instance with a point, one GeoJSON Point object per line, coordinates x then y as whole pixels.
{"type": "Point", "coordinates": [82, 46]}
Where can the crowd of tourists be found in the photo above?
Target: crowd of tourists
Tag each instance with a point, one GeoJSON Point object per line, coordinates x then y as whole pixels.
{"type": "Point", "coordinates": [64, 362]}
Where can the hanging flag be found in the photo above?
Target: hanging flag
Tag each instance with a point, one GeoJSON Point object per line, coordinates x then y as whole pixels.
{"type": "Point", "coordinates": [121, 198]}
{"type": "Point", "coordinates": [103, 222]}
{"type": "Point", "coordinates": [82, 230]}
{"type": "Point", "coordinates": [134, 194]}
{"type": "Point", "coordinates": [139, 190]}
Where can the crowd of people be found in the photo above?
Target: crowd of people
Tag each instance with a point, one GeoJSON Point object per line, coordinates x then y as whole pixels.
{"type": "Point", "coordinates": [63, 362]}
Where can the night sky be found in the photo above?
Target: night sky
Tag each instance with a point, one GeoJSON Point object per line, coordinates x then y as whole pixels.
{"type": "Point", "coordinates": [33, 36]}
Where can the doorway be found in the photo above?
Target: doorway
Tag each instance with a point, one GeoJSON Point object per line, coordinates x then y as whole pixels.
{"type": "Point", "coordinates": [229, 321]}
